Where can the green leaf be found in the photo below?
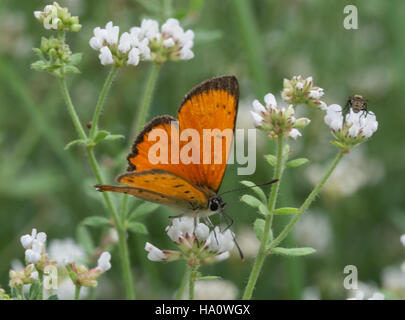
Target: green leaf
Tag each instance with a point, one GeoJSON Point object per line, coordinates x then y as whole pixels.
{"type": "Point", "coordinates": [96, 221]}
{"type": "Point", "coordinates": [71, 69]}
{"type": "Point", "coordinates": [78, 141]}
{"type": "Point", "coordinates": [263, 209]}
{"type": "Point", "coordinates": [39, 65]}
{"type": "Point", "coordinates": [296, 162]}
{"type": "Point", "coordinates": [258, 228]}
{"type": "Point", "coordinates": [53, 297]}
{"type": "Point", "coordinates": [112, 137]}
{"type": "Point", "coordinates": [208, 278]}
{"type": "Point", "coordinates": [293, 252]}
{"type": "Point", "coordinates": [75, 58]}
{"type": "Point", "coordinates": [286, 210]}
{"type": "Point", "coordinates": [251, 200]}
{"type": "Point", "coordinates": [101, 135]}
{"type": "Point", "coordinates": [35, 290]}
{"type": "Point", "coordinates": [339, 144]}
{"type": "Point", "coordinates": [137, 227]}
{"type": "Point", "coordinates": [84, 239]}
{"type": "Point", "coordinates": [143, 210]}
{"type": "Point", "coordinates": [271, 159]}
{"type": "Point", "coordinates": [258, 190]}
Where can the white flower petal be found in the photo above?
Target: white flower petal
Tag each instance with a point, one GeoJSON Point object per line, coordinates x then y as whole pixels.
{"type": "Point", "coordinates": [257, 119]}
{"type": "Point", "coordinates": [26, 241]}
{"type": "Point", "coordinates": [258, 107]}
{"type": "Point", "coordinates": [41, 237]}
{"type": "Point", "coordinates": [202, 232]}
{"type": "Point", "coordinates": [270, 100]}
{"type": "Point", "coordinates": [105, 56]}
{"type": "Point", "coordinates": [134, 57]}
{"type": "Point", "coordinates": [155, 254]}
{"type": "Point", "coordinates": [168, 43]}
{"type": "Point", "coordinates": [103, 262]}
{"type": "Point", "coordinates": [294, 133]}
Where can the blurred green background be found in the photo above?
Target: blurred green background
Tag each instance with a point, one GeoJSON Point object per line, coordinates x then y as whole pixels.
{"type": "Point", "coordinates": [359, 216]}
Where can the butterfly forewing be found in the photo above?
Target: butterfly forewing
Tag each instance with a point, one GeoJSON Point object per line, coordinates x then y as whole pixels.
{"type": "Point", "coordinates": [211, 108]}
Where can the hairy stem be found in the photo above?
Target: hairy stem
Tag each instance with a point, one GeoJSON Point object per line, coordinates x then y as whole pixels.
{"type": "Point", "coordinates": [258, 264]}
{"type": "Point", "coordinates": [183, 284]}
{"type": "Point", "coordinates": [147, 98]}
{"type": "Point", "coordinates": [101, 100]}
{"type": "Point", "coordinates": [306, 203]}
{"type": "Point", "coordinates": [123, 248]}
{"type": "Point", "coordinates": [143, 112]}
{"type": "Point", "coordinates": [71, 109]}
{"type": "Point", "coordinates": [191, 282]}
{"type": "Point", "coordinates": [77, 291]}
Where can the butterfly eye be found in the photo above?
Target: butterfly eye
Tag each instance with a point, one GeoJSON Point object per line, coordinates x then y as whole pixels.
{"type": "Point", "coordinates": [214, 205]}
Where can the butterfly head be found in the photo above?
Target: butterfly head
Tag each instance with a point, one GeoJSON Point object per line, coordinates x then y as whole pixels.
{"type": "Point", "coordinates": [216, 203]}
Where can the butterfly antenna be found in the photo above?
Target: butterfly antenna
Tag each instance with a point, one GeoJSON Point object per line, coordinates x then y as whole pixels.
{"type": "Point", "coordinates": [256, 185]}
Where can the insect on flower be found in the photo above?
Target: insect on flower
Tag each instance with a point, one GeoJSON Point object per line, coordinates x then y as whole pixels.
{"type": "Point", "coordinates": [357, 103]}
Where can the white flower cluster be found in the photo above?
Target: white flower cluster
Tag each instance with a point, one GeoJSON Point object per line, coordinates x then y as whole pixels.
{"type": "Point", "coordinates": [34, 245]}
{"type": "Point", "coordinates": [352, 128]}
{"type": "Point", "coordinates": [277, 120]}
{"type": "Point", "coordinates": [299, 90]}
{"type": "Point", "coordinates": [54, 17]}
{"type": "Point", "coordinates": [146, 42]}
{"type": "Point", "coordinates": [127, 47]}
{"type": "Point", "coordinates": [194, 240]}
{"type": "Point", "coordinates": [49, 16]}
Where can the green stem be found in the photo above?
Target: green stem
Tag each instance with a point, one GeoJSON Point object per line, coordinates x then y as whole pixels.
{"type": "Point", "coordinates": [71, 109]}
{"type": "Point", "coordinates": [306, 203]}
{"type": "Point", "coordinates": [41, 285]}
{"type": "Point", "coordinates": [258, 264]}
{"type": "Point", "coordinates": [143, 112]}
{"type": "Point", "coordinates": [77, 291]}
{"type": "Point", "coordinates": [123, 248]}
{"type": "Point", "coordinates": [191, 282]}
{"type": "Point", "coordinates": [147, 98]}
{"type": "Point", "coordinates": [186, 277]}
{"type": "Point", "coordinates": [122, 243]}
{"type": "Point", "coordinates": [101, 100]}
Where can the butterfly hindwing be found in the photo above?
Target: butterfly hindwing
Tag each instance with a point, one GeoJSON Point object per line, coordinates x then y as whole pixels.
{"type": "Point", "coordinates": [166, 186]}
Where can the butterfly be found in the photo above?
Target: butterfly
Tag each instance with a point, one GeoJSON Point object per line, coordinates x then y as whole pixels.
{"type": "Point", "coordinates": [191, 188]}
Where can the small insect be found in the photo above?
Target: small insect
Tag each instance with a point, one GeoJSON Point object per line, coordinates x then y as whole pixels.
{"type": "Point", "coordinates": [357, 103]}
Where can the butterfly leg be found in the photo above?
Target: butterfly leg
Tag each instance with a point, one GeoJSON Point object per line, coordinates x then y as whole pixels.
{"type": "Point", "coordinates": [228, 217]}
{"type": "Point", "coordinates": [176, 217]}
{"type": "Point", "coordinates": [211, 225]}
{"type": "Point", "coordinates": [195, 227]}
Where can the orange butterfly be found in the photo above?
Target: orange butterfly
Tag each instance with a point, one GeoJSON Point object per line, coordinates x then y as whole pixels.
{"type": "Point", "coordinates": [191, 188]}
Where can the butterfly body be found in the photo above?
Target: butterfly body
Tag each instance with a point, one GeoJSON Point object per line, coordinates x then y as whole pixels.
{"type": "Point", "coordinates": [189, 187]}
